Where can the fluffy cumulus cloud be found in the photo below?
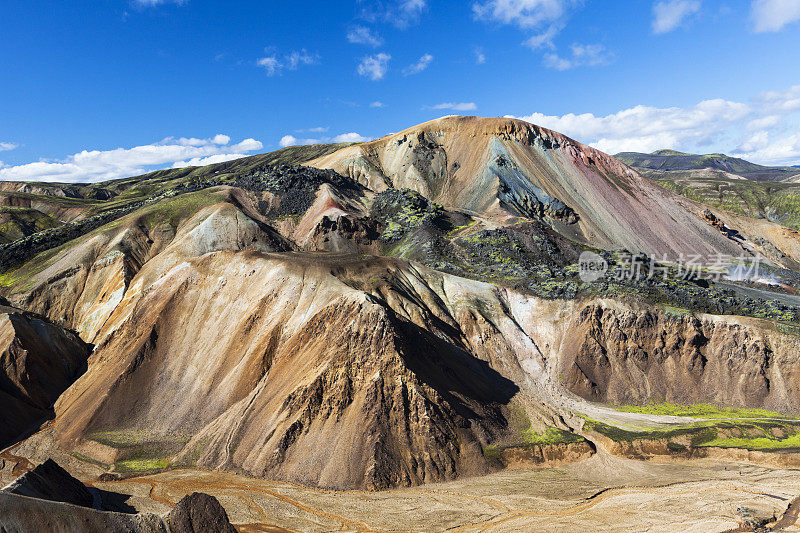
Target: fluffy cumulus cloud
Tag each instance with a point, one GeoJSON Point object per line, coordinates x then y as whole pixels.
{"type": "Point", "coordinates": [766, 129]}
{"type": "Point", "coordinates": [374, 67]}
{"type": "Point", "coordinates": [423, 63]}
{"type": "Point", "coordinates": [273, 63]}
{"type": "Point", "coordinates": [364, 35]}
{"type": "Point", "coordinates": [99, 165]}
{"type": "Point", "coordinates": [670, 14]}
{"type": "Point", "coordinates": [581, 55]}
{"type": "Point", "coordinates": [644, 128]}
{"type": "Point", "coordinates": [5, 146]}
{"type": "Point", "coordinates": [352, 137]}
{"type": "Point", "coordinates": [774, 15]}
{"type": "Point", "coordinates": [456, 106]}
{"type": "Point", "coordinates": [291, 140]}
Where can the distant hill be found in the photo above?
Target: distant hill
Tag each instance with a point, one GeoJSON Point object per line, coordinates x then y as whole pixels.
{"type": "Point", "coordinates": [672, 161]}
{"type": "Point", "coordinates": [730, 183]}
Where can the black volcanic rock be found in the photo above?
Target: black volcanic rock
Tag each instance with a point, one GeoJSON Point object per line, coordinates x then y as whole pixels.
{"type": "Point", "coordinates": [49, 481]}
{"type": "Point", "coordinates": [199, 513]}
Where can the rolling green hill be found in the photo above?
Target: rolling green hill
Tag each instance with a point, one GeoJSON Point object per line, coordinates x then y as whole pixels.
{"type": "Point", "coordinates": [671, 161]}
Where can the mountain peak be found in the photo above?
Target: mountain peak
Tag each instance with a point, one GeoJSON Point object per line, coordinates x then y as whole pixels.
{"type": "Point", "coordinates": [669, 152]}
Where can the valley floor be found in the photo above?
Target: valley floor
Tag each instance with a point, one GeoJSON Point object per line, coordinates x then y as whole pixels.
{"type": "Point", "coordinates": [603, 493]}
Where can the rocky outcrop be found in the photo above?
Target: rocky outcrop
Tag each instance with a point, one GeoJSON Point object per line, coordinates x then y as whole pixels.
{"type": "Point", "coordinates": [49, 481]}
{"type": "Point", "coordinates": [545, 454]}
{"type": "Point", "coordinates": [30, 510]}
{"type": "Point", "coordinates": [199, 513]}
{"type": "Point", "coordinates": [630, 355]}
{"type": "Point", "coordinates": [38, 361]}
{"type": "Point", "coordinates": [20, 514]}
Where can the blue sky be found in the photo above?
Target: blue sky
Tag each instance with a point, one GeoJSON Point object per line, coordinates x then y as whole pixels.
{"type": "Point", "coordinates": [100, 89]}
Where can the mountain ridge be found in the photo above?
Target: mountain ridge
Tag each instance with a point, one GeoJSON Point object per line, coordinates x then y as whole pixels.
{"type": "Point", "coordinates": [671, 160]}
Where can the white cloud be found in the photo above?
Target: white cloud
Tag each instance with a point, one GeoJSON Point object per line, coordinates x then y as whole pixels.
{"type": "Point", "coordinates": [526, 14]}
{"type": "Point", "coordinates": [374, 67]}
{"type": "Point", "coordinates": [275, 65]}
{"type": "Point", "coordinates": [405, 12]}
{"type": "Point", "coordinates": [785, 101]}
{"type": "Point", "coordinates": [766, 148]}
{"type": "Point", "coordinates": [364, 35]}
{"type": "Point", "coordinates": [545, 19]}
{"type": "Point", "coordinates": [351, 137]}
{"type": "Point", "coordinates": [154, 3]}
{"type": "Point", "coordinates": [773, 15]}
{"type": "Point", "coordinates": [317, 129]}
{"type": "Point", "coordinates": [99, 165]}
{"type": "Point", "coordinates": [291, 140]}
{"type": "Point", "coordinates": [400, 13]}
{"type": "Point", "coordinates": [271, 64]}
{"type": "Point", "coordinates": [210, 160]}
{"type": "Point", "coordinates": [669, 14]}
{"type": "Point", "coordinates": [765, 130]}
{"type": "Point", "coordinates": [583, 55]}
{"type": "Point", "coordinates": [761, 123]}
{"type": "Point", "coordinates": [544, 39]}
{"type": "Point", "coordinates": [461, 106]}
{"type": "Point", "coordinates": [377, 104]}
{"type": "Point", "coordinates": [480, 57]}
{"type": "Point", "coordinates": [4, 147]}
{"type": "Point", "coordinates": [644, 128]}
{"type": "Point", "coordinates": [423, 63]}
{"type": "Point", "coordinates": [297, 58]}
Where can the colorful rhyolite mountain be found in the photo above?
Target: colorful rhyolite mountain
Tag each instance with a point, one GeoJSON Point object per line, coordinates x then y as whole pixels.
{"type": "Point", "coordinates": [322, 325]}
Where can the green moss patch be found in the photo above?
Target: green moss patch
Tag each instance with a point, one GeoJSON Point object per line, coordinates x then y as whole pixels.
{"type": "Point", "coordinates": [550, 436]}
{"type": "Point", "coordinates": [140, 465]}
{"type": "Point", "coordinates": [764, 435]}
{"type": "Point", "coordinates": [699, 410]}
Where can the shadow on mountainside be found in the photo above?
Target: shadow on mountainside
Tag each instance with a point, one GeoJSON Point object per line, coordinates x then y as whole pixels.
{"type": "Point", "coordinates": [464, 381]}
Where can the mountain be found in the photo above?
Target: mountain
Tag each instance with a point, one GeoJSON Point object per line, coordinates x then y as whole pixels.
{"type": "Point", "coordinates": [499, 168]}
{"type": "Point", "coordinates": [400, 312]}
{"type": "Point", "coordinates": [673, 161]}
{"type": "Point", "coordinates": [735, 185]}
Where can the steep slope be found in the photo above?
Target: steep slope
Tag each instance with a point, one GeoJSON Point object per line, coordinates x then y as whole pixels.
{"type": "Point", "coordinates": [629, 355]}
{"type": "Point", "coordinates": [307, 378]}
{"type": "Point", "coordinates": [80, 283]}
{"type": "Point", "coordinates": [18, 222]}
{"type": "Point", "coordinates": [39, 360]}
{"type": "Point", "coordinates": [499, 168]}
{"type": "Point", "coordinates": [672, 161]}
